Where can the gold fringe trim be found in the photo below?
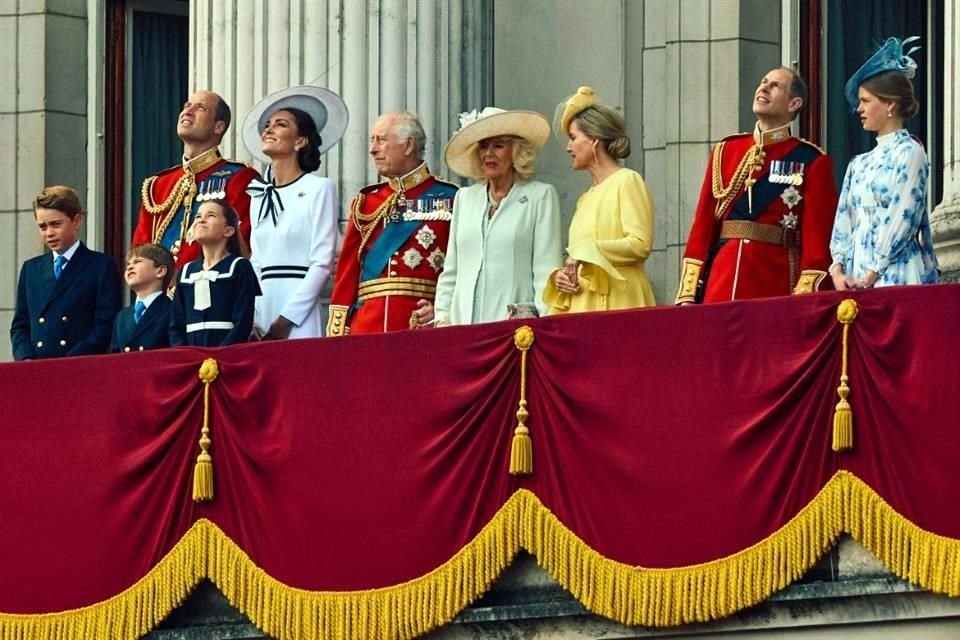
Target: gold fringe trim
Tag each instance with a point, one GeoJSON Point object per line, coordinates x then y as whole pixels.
{"type": "Point", "coordinates": [630, 595]}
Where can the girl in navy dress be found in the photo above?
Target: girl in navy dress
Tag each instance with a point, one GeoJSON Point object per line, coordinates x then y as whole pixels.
{"type": "Point", "coordinates": [214, 300]}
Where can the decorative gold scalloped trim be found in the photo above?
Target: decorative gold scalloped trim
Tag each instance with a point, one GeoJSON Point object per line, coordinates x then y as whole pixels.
{"type": "Point", "coordinates": [627, 594]}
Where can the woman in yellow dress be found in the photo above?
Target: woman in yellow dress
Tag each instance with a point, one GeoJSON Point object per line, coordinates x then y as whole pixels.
{"type": "Point", "coordinates": [611, 234]}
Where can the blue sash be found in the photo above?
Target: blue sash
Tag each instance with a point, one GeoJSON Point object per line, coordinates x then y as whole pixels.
{"type": "Point", "coordinates": [391, 239]}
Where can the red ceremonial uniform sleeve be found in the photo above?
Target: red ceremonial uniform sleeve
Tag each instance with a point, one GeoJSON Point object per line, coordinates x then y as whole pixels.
{"type": "Point", "coordinates": [705, 231]}
{"type": "Point", "coordinates": [144, 230]}
{"type": "Point", "coordinates": [820, 208]}
{"type": "Point", "coordinates": [347, 278]}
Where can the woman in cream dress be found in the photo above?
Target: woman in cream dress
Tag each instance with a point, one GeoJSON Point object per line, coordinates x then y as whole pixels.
{"type": "Point", "coordinates": [611, 234]}
{"type": "Point", "coordinates": [505, 234]}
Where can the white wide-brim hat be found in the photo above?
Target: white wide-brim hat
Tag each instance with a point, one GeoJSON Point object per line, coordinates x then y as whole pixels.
{"type": "Point", "coordinates": [461, 151]}
{"type": "Point", "coordinates": [328, 110]}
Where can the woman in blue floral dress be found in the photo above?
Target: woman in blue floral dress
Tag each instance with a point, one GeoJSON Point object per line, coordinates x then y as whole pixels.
{"type": "Point", "coordinates": [881, 234]}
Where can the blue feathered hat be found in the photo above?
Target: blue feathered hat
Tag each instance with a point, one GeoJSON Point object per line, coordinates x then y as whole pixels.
{"type": "Point", "coordinates": [890, 57]}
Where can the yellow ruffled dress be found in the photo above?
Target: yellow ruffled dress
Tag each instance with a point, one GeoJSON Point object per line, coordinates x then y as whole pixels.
{"type": "Point", "coordinates": [611, 235]}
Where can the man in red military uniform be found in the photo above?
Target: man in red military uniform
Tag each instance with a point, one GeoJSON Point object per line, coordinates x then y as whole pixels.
{"type": "Point", "coordinates": [396, 238]}
{"type": "Point", "coordinates": [171, 198]}
{"type": "Point", "coordinates": [762, 225]}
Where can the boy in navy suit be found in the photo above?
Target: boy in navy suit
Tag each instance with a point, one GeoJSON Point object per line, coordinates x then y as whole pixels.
{"type": "Point", "coordinates": [144, 324]}
{"type": "Point", "coordinates": [67, 299]}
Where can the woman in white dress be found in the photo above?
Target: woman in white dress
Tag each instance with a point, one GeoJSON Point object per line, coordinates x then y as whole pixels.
{"type": "Point", "coordinates": [505, 234]}
{"type": "Point", "coordinates": [293, 212]}
{"type": "Point", "coordinates": [881, 233]}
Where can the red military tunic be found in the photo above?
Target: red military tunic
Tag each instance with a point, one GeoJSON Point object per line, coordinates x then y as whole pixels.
{"type": "Point", "coordinates": [392, 255]}
{"type": "Point", "coordinates": [771, 242]}
{"type": "Point", "coordinates": [167, 195]}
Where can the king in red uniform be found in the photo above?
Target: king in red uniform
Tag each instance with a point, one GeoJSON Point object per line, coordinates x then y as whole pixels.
{"type": "Point", "coordinates": [396, 239]}
{"type": "Point", "coordinates": [170, 199]}
{"type": "Point", "coordinates": [762, 225]}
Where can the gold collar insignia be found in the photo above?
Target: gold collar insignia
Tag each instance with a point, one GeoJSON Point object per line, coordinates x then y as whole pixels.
{"type": "Point", "coordinates": [409, 181]}
{"type": "Point", "coordinates": [203, 161]}
{"type": "Point", "coordinates": [772, 136]}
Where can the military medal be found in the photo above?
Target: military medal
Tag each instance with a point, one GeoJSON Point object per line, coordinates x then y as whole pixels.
{"type": "Point", "coordinates": [783, 172]}
{"type": "Point", "coordinates": [222, 193]}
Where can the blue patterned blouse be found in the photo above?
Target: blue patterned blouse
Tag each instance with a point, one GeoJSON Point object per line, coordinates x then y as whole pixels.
{"type": "Point", "coordinates": [881, 222]}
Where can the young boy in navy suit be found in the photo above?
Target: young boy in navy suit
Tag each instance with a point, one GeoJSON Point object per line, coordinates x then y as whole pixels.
{"type": "Point", "coordinates": [67, 299]}
{"type": "Point", "coordinates": [145, 324]}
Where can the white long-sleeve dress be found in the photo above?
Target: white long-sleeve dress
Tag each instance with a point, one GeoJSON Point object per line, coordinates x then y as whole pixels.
{"type": "Point", "coordinates": [293, 246]}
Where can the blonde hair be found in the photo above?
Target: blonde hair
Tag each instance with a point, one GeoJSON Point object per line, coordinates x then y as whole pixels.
{"type": "Point", "coordinates": [523, 158]}
{"type": "Point", "coordinates": [600, 122]}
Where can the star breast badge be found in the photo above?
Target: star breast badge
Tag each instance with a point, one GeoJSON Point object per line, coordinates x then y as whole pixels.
{"type": "Point", "coordinates": [791, 197]}
{"type": "Point", "coordinates": [426, 236]}
{"type": "Point", "coordinates": [412, 258]}
{"type": "Point", "coordinates": [789, 221]}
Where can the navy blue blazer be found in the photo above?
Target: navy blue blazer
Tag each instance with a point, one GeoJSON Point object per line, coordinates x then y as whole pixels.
{"type": "Point", "coordinates": [71, 316]}
{"type": "Point", "coordinates": [152, 332]}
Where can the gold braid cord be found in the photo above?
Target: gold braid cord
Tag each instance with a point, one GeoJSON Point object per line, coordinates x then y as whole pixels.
{"type": "Point", "coordinates": [725, 195]}
{"type": "Point", "coordinates": [521, 451]}
{"type": "Point", "coordinates": [628, 594]}
{"type": "Point", "coordinates": [203, 470]}
{"type": "Point", "coordinates": [182, 194]}
{"type": "Point", "coordinates": [843, 415]}
{"type": "Point", "coordinates": [367, 222]}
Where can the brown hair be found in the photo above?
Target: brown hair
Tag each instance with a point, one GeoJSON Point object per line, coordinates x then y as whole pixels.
{"type": "Point", "coordinates": [894, 88]}
{"type": "Point", "coordinates": [60, 198]}
{"type": "Point", "coordinates": [233, 220]}
{"type": "Point", "coordinates": [600, 122]}
{"type": "Point", "coordinates": [160, 256]}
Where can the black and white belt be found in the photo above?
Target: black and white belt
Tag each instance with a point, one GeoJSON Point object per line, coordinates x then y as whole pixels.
{"type": "Point", "coordinates": [283, 271]}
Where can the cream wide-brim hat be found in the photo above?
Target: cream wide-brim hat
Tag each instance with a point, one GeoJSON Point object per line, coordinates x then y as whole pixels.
{"type": "Point", "coordinates": [328, 110]}
{"type": "Point", "coordinates": [461, 151]}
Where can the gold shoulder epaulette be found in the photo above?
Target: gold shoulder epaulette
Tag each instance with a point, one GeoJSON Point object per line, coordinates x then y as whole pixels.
{"type": "Point", "coordinates": [370, 188]}
{"type": "Point", "coordinates": [168, 170]}
{"type": "Point", "coordinates": [447, 182]}
{"type": "Point", "coordinates": [732, 136]}
{"type": "Point", "coordinates": [818, 148]}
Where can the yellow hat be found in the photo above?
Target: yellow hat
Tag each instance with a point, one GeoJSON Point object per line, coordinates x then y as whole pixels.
{"type": "Point", "coordinates": [583, 98]}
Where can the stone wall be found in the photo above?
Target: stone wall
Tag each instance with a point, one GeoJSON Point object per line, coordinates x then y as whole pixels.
{"type": "Point", "coordinates": [683, 72]}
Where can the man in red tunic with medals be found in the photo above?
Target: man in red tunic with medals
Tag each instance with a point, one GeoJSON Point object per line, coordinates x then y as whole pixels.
{"type": "Point", "coordinates": [396, 238]}
{"type": "Point", "coordinates": [170, 198]}
{"type": "Point", "coordinates": [762, 225]}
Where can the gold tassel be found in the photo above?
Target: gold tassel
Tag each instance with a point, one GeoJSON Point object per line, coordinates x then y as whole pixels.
{"type": "Point", "coordinates": [203, 470]}
{"type": "Point", "coordinates": [521, 452]}
{"type": "Point", "coordinates": [843, 416]}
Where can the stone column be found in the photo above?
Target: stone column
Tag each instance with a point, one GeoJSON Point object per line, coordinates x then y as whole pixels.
{"type": "Point", "coordinates": [945, 219]}
{"type": "Point", "coordinates": [380, 55]}
{"type": "Point", "coordinates": [43, 126]}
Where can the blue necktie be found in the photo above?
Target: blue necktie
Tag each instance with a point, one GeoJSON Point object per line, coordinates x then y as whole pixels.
{"type": "Point", "coordinates": [138, 310]}
{"type": "Point", "coordinates": [58, 264]}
